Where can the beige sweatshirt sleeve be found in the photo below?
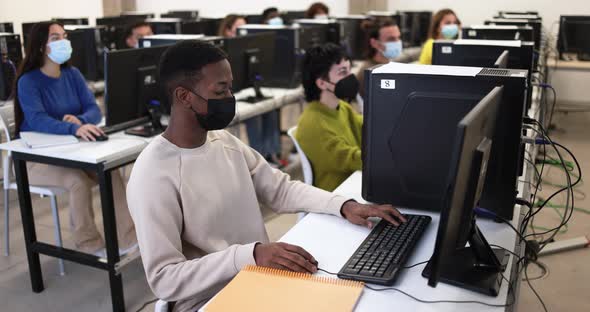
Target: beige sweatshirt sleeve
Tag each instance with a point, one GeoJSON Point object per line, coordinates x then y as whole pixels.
{"type": "Point", "coordinates": [275, 189]}
{"type": "Point", "coordinates": [155, 206]}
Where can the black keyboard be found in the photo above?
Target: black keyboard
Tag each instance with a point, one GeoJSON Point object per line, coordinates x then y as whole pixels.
{"type": "Point", "coordinates": [380, 257]}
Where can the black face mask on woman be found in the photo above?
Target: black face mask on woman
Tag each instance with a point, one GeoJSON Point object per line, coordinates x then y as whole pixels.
{"type": "Point", "coordinates": [220, 112]}
{"type": "Point", "coordinates": [347, 88]}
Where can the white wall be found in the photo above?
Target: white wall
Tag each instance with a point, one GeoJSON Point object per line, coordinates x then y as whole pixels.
{"type": "Point", "coordinates": [476, 11]}
{"type": "Point", "coordinates": [217, 8]}
{"type": "Point", "coordinates": [19, 11]}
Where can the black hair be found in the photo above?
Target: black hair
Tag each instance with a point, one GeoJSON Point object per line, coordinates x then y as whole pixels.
{"type": "Point", "coordinates": [316, 64]}
{"type": "Point", "coordinates": [34, 58]}
{"type": "Point", "coordinates": [181, 64]}
{"type": "Point", "coordinates": [131, 27]}
{"type": "Point", "coordinates": [267, 12]}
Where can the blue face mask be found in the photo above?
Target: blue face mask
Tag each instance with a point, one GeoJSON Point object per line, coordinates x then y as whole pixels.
{"type": "Point", "coordinates": [60, 51]}
{"type": "Point", "coordinates": [450, 31]}
{"type": "Point", "coordinates": [393, 49]}
{"type": "Point", "coordinates": [277, 21]}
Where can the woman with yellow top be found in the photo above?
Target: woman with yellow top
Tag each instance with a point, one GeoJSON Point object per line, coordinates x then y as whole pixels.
{"type": "Point", "coordinates": [445, 25]}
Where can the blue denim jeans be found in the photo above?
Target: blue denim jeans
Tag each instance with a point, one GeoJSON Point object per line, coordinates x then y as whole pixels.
{"type": "Point", "coordinates": [264, 134]}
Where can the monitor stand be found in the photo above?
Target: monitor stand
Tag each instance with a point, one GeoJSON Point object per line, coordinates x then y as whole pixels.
{"type": "Point", "coordinates": [146, 131]}
{"type": "Point", "coordinates": [477, 267]}
{"type": "Point", "coordinates": [258, 97]}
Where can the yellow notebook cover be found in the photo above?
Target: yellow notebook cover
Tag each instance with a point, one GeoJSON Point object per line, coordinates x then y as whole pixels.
{"type": "Point", "coordinates": [264, 289]}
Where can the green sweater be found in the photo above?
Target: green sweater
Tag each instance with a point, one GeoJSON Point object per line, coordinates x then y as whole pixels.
{"type": "Point", "coordinates": [331, 139]}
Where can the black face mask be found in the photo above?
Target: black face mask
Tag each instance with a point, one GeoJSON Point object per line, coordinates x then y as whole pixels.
{"type": "Point", "coordinates": [347, 88]}
{"type": "Point", "coordinates": [220, 112]}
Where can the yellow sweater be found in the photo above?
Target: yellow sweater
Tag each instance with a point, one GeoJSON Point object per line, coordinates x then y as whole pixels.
{"type": "Point", "coordinates": [426, 55]}
{"type": "Point", "coordinates": [331, 139]}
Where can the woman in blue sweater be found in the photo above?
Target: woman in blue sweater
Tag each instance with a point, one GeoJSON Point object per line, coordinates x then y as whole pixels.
{"type": "Point", "coordinates": [52, 97]}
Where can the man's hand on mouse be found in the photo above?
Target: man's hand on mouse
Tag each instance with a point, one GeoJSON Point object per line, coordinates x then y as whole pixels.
{"type": "Point", "coordinates": [359, 213]}
{"type": "Point", "coordinates": [89, 132]}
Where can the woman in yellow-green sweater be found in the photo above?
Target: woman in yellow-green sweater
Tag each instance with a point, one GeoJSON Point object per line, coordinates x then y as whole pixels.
{"type": "Point", "coordinates": [445, 25]}
{"type": "Point", "coordinates": [329, 130]}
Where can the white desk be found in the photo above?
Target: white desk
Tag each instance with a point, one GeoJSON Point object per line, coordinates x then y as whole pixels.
{"type": "Point", "coordinates": [99, 157]}
{"type": "Point", "coordinates": [278, 98]}
{"type": "Point", "coordinates": [570, 80]}
{"type": "Point", "coordinates": [332, 240]}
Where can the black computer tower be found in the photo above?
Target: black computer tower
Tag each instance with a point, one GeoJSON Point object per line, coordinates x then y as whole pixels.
{"type": "Point", "coordinates": [497, 32]}
{"type": "Point", "coordinates": [72, 21]}
{"type": "Point", "coordinates": [166, 25]}
{"type": "Point", "coordinates": [11, 56]}
{"type": "Point", "coordinates": [414, 27]}
{"type": "Point", "coordinates": [353, 36]}
{"type": "Point", "coordinates": [410, 119]}
{"type": "Point", "coordinates": [205, 26]}
{"type": "Point", "coordinates": [185, 15]}
{"type": "Point", "coordinates": [7, 28]}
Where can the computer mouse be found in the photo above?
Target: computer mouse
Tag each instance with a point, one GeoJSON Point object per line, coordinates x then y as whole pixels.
{"type": "Point", "coordinates": [101, 138]}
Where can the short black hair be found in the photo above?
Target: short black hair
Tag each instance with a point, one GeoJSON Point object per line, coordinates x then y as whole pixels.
{"type": "Point", "coordinates": [181, 64]}
{"type": "Point", "coordinates": [317, 63]}
{"type": "Point", "coordinates": [131, 27]}
{"type": "Point", "coordinates": [268, 12]}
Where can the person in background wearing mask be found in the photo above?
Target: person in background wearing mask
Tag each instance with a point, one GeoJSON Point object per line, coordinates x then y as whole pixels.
{"type": "Point", "coordinates": [229, 26]}
{"type": "Point", "coordinates": [329, 130]}
{"type": "Point", "coordinates": [384, 45]}
{"type": "Point", "coordinates": [135, 32]}
{"type": "Point", "coordinates": [445, 25]}
{"type": "Point", "coordinates": [52, 97]}
{"type": "Point", "coordinates": [195, 191]}
{"type": "Point", "coordinates": [271, 16]}
{"type": "Point", "coordinates": [317, 10]}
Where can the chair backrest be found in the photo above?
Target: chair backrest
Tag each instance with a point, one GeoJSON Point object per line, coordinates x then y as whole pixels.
{"type": "Point", "coordinates": [7, 120]}
{"type": "Point", "coordinates": [7, 124]}
{"type": "Point", "coordinates": [305, 163]}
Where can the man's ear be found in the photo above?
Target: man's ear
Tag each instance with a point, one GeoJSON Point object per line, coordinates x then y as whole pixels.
{"type": "Point", "coordinates": [375, 44]}
{"type": "Point", "coordinates": [182, 96]}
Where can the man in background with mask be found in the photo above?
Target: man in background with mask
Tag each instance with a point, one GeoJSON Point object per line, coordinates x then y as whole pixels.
{"type": "Point", "coordinates": [329, 130]}
{"type": "Point", "coordinates": [135, 32]}
{"type": "Point", "coordinates": [271, 16]}
{"type": "Point", "coordinates": [195, 191]}
{"type": "Point", "coordinates": [384, 45]}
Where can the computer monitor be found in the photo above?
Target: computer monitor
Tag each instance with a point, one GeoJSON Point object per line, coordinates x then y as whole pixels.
{"type": "Point", "coordinates": [113, 35]}
{"type": "Point", "coordinates": [7, 27]}
{"type": "Point", "coordinates": [290, 46]}
{"type": "Point", "coordinates": [134, 14]}
{"type": "Point", "coordinates": [159, 40]}
{"type": "Point", "coordinates": [10, 58]}
{"type": "Point", "coordinates": [535, 24]}
{"type": "Point", "coordinates": [72, 21]}
{"type": "Point", "coordinates": [251, 57]}
{"type": "Point", "coordinates": [206, 26]}
{"type": "Point", "coordinates": [88, 51]}
{"type": "Point", "coordinates": [573, 36]}
{"type": "Point", "coordinates": [353, 36]}
{"type": "Point", "coordinates": [477, 267]}
{"type": "Point", "coordinates": [290, 16]}
{"type": "Point", "coordinates": [131, 88]}
{"type": "Point", "coordinates": [410, 114]}
{"type": "Point", "coordinates": [498, 32]}
{"type": "Point", "coordinates": [416, 25]}
{"type": "Point", "coordinates": [332, 28]}
{"type": "Point", "coordinates": [253, 19]}
{"type": "Point", "coordinates": [484, 53]}
{"type": "Point", "coordinates": [185, 14]}
{"type": "Point", "coordinates": [165, 25]}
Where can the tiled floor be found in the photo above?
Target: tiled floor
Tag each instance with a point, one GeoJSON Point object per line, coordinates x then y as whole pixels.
{"type": "Point", "coordinates": [86, 289]}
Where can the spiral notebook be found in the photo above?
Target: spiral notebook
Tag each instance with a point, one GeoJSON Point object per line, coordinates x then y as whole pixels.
{"type": "Point", "coordinates": [264, 289]}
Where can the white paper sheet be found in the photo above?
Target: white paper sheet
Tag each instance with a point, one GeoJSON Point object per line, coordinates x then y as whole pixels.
{"type": "Point", "coordinates": [38, 139]}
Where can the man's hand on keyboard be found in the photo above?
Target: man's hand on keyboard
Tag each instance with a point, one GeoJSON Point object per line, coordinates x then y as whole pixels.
{"type": "Point", "coordinates": [358, 213]}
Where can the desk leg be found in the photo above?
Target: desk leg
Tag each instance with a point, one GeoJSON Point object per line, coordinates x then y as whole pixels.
{"type": "Point", "coordinates": [28, 220]}
{"type": "Point", "coordinates": [110, 235]}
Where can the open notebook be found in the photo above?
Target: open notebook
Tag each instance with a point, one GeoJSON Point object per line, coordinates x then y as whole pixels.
{"type": "Point", "coordinates": [38, 139]}
{"type": "Point", "coordinates": [264, 289]}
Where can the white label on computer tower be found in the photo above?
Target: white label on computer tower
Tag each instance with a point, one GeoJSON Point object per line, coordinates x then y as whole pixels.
{"type": "Point", "coordinates": [147, 43]}
{"type": "Point", "coordinates": [387, 84]}
{"type": "Point", "coordinates": [243, 32]}
{"type": "Point", "coordinates": [447, 50]}
{"type": "Point", "coordinates": [472, 33]}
